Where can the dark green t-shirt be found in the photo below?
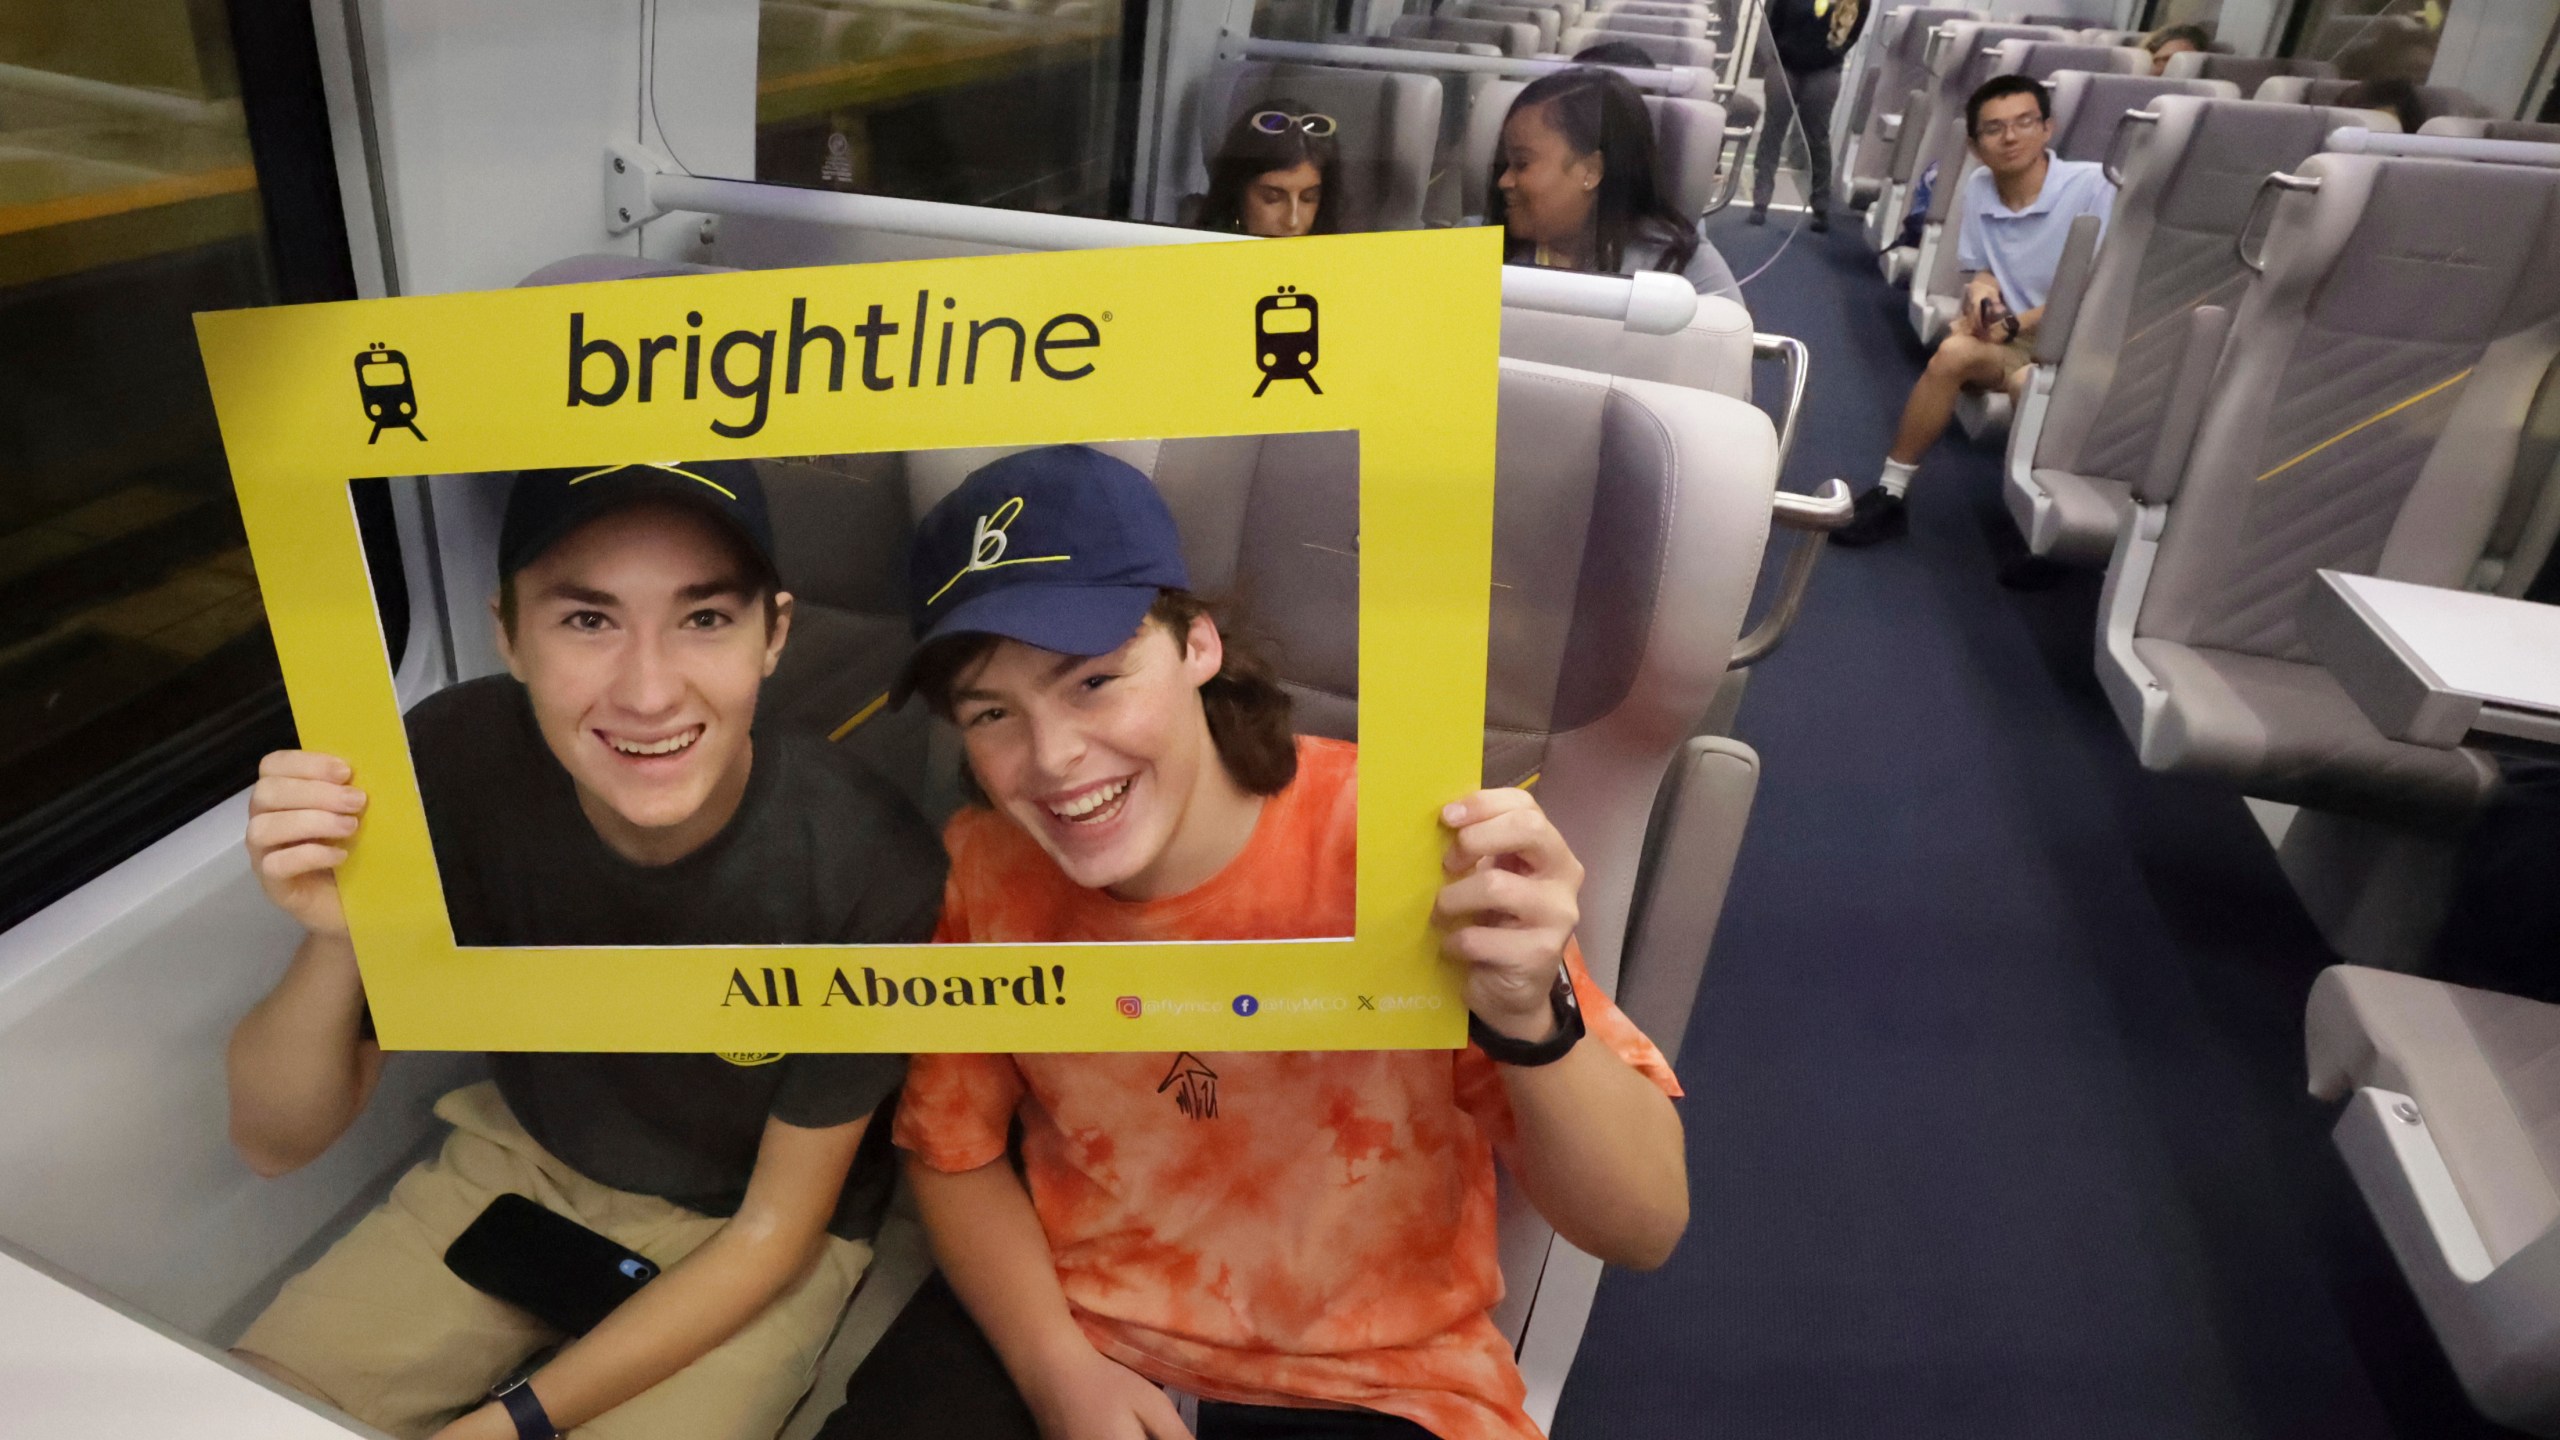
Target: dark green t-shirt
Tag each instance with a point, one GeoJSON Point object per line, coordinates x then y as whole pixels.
{"type": "Point", "coordinates": [820, 852]}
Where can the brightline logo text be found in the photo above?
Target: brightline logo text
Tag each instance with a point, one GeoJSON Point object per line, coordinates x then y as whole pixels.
{"type": "Point", "coordinates": [741, 364]}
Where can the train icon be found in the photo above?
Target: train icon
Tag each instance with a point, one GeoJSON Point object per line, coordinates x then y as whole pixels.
{"type": "Point", "coordinates": [390, 399]}
{"type": "Point", "coordinates": [1284, 338]}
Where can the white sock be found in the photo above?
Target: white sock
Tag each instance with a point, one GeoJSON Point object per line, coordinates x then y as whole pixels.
{"type": "Point", "coordinates": [1897, 478]}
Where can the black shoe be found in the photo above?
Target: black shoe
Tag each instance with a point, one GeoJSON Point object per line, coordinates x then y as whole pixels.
{"type": "Point", "coordinates": [1759, 215]}
{"type": "Point", "coordinates": [1878, 514]}
{"type": "Point", "coordinates": [1820, 224]}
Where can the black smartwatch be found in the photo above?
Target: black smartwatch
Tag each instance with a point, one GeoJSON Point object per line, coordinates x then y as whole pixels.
{"type": "Point", "coordinates": [1501, 1049]}
{"type": "Point", "coordinates": [525, 1408]}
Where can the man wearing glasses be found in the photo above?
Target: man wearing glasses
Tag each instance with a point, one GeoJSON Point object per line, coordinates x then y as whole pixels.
{"type": "Point", "coordinates": [2017, 211]}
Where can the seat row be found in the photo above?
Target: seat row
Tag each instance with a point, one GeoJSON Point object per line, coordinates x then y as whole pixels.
{"type": "Point", "coordinates": [2286, 357]}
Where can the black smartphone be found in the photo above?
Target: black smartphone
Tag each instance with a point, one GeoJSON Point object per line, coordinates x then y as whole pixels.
{"type": "Point", "coordinates": [547, 1265]}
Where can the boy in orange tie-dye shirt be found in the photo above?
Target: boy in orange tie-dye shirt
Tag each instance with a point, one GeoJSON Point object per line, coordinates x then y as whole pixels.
{"type": "Point", "coordinates": [1272, 1244]}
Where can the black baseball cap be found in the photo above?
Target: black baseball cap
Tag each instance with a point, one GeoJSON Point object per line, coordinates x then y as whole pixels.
{"type": "Point", "coordinates": [1062, 547]}
{"type": "Point", "coordinates": [544, 506]}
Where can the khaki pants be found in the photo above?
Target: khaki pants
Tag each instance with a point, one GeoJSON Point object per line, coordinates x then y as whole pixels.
{"type": "Point", "coordinates": [382, 1330]}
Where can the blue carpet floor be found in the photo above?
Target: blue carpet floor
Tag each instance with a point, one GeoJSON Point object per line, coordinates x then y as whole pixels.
{"type": "Point", "coordinates": [1996, 1114]}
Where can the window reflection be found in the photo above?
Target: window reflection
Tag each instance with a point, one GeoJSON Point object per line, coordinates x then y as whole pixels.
{"type": "Point", "coordinates": [2374, 39]}
{"type": "Point", "coordinates": [132, 639]}
{"type": "Point", "coordinates": [1014, 103]}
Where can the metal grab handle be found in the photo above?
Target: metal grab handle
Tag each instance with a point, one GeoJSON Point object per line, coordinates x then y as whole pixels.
{"type": "Point", "coordinates": [2257, 205]}
{"type": "Point", "coordinates": [1791, 352]}
{"type": "Point", "coordinates": [2113, 165]}
{"type": "Point", "coordinates": [1735, 142]}
{"type": "Point", "coordinates": [1812, 517]}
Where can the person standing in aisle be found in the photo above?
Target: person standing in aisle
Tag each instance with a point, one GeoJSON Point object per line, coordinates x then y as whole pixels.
{"type": "Point", "coordinates": [1811, 38]}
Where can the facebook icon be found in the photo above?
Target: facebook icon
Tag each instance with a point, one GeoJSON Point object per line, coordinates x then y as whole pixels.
{"type": "Point", "coordinates": [1246, 1005]}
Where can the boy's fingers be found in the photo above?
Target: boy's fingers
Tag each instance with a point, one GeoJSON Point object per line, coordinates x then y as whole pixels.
{"type": "Point", "coordinates": [1505, 952]}
{"type": "Point", "coordinates": [306, 765]}
{"type": "Point", "coordinates": [1524, 835]}
{"type": "Point", "coordinates": [277, 829]}
{"type": "Point", "coordinates": [1484, 804]}
{"type": "Point", "coordinates": [278, 792]}
{"type": "Point", "coordinates": [296, 861]}
{"type": "Point", "coordinates": [1525, 902]}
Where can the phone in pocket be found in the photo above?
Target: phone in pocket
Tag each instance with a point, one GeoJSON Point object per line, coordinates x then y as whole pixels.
{"type": "Point", "coordinates": [547, 1265]}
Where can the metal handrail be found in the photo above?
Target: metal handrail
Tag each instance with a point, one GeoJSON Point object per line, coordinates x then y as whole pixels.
{"type": "Point", "coordinates": [1739, 140]}
{"type": "Point", "coordinates": [2112, 164]}
{"type": "Point", "coordinates": [1674, 80]}
{"type": "Point", "coordinates": [2301, 184]}
{"type": "Point", "coordinates": [639, 188]}
{"type": "Point", "coordinates": [1812, 517]}
{"type": "Point", "coordinates": [1790, 352]}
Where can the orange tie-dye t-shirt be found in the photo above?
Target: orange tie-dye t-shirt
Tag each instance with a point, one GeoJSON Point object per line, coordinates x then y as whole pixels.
{"type": "Point", "coordinates": [1268, 1228]}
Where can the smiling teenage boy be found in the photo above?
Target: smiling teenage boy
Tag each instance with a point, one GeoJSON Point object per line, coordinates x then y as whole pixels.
{"type": "Point", "coordinates": [611, 789]}
{"type": "Point", "coordinates": [1275, 1244]}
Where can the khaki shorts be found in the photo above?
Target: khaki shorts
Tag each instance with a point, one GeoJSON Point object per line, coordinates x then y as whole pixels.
{"type": "Point", "coordinates": [382, 1330]}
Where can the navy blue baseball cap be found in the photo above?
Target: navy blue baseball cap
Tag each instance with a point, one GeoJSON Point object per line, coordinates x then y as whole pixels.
{"type": "Point", "coordinates": [1061, 547]}
{"type": "Point", "coordinates": [544, 506]}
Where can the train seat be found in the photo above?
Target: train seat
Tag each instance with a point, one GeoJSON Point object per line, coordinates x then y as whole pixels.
{"type": "Point", "coordinates": [1892, 96]}
{"type": "Point", "coordinates": [2449, 1129]}
{"type": "Point", "coordinates": [1937, 283]}
{"type": "Point", "coordinates": [2433, 100]}
{"type": "Point", "coordinates": [1548, 23]}
{"type": "Point", "coordinates": [1971, 53]}
{"type": "Point", "coordinates": [2089, 107]}
{"type": "Point", "coordinates": [2466, 127]}
{"type": "Point", "coordinates": [2105, 370]}
{"type": "Point", "coordinates": [2245, 71]}
{"type": "Point", "coordinates": [1712, 352]}
{"type": "Point", "coordinates": [1688, 133]}
{"type": "Point", "coordinates": [2366, 416]}
{"type": "Point", "coordinates": [1665, 49]}
{"type": "Point", "coordinates": [1459, 91]}
{"type": "Point", "coordinates": [1514, 38]}
{"type": "Point", "coordinates": [2112, 37]}
{"type": "Point", "coordinates": [1685, 27]}
{"type": "Point", "coordinates": [1388, 130]}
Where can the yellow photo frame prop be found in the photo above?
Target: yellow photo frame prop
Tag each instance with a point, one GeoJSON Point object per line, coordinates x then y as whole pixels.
{"type": "Point", "coordinates": [1392, 336]}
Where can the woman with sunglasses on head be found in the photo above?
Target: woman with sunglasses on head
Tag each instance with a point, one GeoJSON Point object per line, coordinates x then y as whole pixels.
{"type": "Point", "coordinates": [1577, 186]}
{"type": "Point", "coordinates": [1272, 173]}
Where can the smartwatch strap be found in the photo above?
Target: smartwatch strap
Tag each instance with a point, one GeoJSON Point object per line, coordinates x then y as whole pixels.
{"type": "Point", "coordinates": [525, 1408]}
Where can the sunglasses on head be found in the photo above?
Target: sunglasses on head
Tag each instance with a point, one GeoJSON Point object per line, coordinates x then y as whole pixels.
{"type": "Point", "coordinates": [1281, 122]}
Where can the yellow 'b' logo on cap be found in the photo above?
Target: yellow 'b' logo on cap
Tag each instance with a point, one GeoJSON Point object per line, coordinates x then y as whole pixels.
{"type": "Point", "coordinates": [986, 546]}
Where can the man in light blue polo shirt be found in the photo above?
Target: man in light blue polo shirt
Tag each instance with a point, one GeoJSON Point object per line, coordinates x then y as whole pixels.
{"type": "Point", "coordinates": [2017, 209]}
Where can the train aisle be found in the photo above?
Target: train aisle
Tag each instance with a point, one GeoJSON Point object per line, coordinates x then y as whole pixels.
{"type": "Point", "coordinates": [1996, 1109]}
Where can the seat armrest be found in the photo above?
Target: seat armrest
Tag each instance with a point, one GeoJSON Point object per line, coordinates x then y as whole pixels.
{"type": "Point", "coordinates": [1690, 847]}
{"type": "Point", "coordinates": [2206, 325]}
{"type": "Point", "coordinates": [2070, 282]}
{"type": "Point", "coordinates": [1866, 101]}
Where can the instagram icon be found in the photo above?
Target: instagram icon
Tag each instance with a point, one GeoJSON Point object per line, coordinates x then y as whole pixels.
{"type": "Point", "coordinates": [1129, 1006]}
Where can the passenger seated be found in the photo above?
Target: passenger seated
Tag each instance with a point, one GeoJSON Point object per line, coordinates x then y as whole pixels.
{"type": "Point", "coordinates": [1576, 186]}
{"type": "Point", "coordinates": [2174, 40]}
{"type": "Point", "coordinates": [2392, 96]}
{"type": "Point", "coordinates": [2017, 212]}
{"type": "Point", "coordinates": [1272, 172]}
{"type": "Point", "coordinates": [1299, 1244]}
{"type": "Point", "coordinates": [639, 610]}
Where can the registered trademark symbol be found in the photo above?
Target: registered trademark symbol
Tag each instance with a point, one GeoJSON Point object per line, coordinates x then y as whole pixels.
{"type": "Point", "coordinates": [1106, 314]}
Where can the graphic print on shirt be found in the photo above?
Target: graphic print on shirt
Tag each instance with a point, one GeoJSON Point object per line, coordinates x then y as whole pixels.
{"type": "Point", "coordinates": [1197, 1092]}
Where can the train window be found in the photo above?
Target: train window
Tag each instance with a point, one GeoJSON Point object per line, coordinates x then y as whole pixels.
{"type": "Point", "coordinates": [2162, 13]}
{"type": "Point", "coordinates": [1013, 103]}
{"type": "Point", "coordinates": [2372, 39]}
{"type": "Point", "coordinates": [137, 682]}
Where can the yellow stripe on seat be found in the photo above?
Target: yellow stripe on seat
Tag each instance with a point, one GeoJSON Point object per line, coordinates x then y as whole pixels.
{"type": "Point", "coordinates": [2374, 419]}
